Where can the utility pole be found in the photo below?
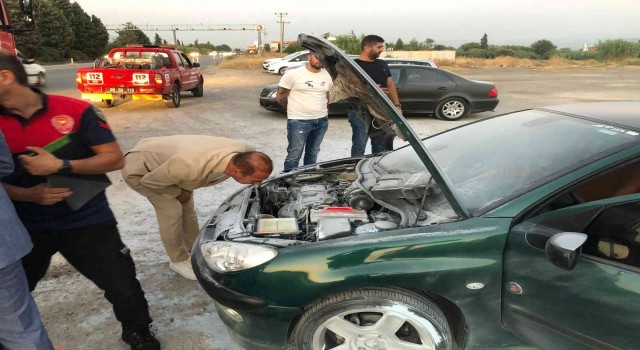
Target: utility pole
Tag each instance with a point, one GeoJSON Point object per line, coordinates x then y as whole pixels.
{"type": "Point", "coordinates": [282, 22]}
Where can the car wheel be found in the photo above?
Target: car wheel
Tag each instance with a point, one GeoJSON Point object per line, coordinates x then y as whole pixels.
{"type": "Point", "coordinates": [452, 108]}
{"type": "Point", "coordinates": [109, 103]}
{"type": "Point", "coordinates": [173, 100]}
{"type": "Point", "coordinates": [42, 79]}
{"type": "Point", "coordinates": [282, 70]}
{"type": "Point", "coordinates": [373, 319]}
{"type": "Point", "coordinates": [199, 90]}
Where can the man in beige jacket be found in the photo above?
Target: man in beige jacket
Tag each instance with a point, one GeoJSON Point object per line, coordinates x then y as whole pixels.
{"type": "Point", "coordinates": [167, 169]}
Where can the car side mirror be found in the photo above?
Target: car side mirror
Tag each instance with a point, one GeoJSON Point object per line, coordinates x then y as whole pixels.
{"type": "Point", "coordinates": [28, 61]}
{"type": "Point", "coordinates": [196, 65]}
{"type": "Point", "coordinates": [563, 249]}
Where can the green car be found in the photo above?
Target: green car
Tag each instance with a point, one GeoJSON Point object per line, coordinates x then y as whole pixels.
{"type": "Point", "coordinates": [522, 229]}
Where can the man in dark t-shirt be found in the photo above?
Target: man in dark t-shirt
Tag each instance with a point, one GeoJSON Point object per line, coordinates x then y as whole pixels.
{"type": "Point", "coordinates": [372, 46]}
{"type": "Point", "coordinates": [56, 135]}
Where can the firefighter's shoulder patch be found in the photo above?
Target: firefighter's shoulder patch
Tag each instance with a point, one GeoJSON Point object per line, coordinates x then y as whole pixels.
{"type": "Point", "coordinates": [102, 119]}
{"type": "Point", "coordinates": [99, 113]}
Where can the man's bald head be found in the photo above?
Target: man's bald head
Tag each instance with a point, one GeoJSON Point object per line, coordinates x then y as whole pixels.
{"type": "Point", "coordinates": [250, 167]}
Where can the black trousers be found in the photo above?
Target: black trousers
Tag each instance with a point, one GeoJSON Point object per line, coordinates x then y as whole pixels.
{"type": "Point", "coordinates": [98, 253]}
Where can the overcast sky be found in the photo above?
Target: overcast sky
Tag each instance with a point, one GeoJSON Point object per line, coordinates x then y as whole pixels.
{"type": "Point", "coordinates": [567, 23]}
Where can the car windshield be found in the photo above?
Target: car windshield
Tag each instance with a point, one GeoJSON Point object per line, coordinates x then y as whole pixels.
{"type": "Point", "coordinates": [501, 157]}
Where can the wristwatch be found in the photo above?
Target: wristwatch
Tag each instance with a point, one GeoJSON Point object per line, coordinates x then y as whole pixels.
{"type": "Point", "coordinates": [66, 167]}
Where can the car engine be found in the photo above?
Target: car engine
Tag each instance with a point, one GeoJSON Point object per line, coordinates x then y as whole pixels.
{"type": "Point", "coordinates": [318, 206]}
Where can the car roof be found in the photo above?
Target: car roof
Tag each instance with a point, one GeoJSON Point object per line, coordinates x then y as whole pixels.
{"type": "Point", "coordinates": [621, 113]}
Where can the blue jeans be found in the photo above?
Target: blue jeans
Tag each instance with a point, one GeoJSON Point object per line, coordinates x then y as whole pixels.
{"type": "Point", "coordinates": [304, 135]}
{"type": "Point", "coordinates": [20, 325]}
{"type": "Point", "coordinates": [359, 137]}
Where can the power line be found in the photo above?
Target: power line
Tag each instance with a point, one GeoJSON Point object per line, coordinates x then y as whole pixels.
{"type": "Point", "coordinates": [282, 22]}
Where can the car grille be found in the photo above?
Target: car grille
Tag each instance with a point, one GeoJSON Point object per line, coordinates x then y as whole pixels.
{"type": "Point", "coordinates": [265, 92]}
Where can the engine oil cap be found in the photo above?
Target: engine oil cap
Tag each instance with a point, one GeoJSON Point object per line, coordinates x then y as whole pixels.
{"type": "Point", "coordinates": [385, 225]}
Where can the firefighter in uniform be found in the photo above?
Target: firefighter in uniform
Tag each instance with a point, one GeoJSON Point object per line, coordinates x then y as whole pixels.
{"type": "Point", "coordinates": [88, 236]}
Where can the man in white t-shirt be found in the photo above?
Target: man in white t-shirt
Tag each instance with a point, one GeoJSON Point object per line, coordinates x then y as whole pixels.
{"type": "Point", "coordinates": [305, 93]}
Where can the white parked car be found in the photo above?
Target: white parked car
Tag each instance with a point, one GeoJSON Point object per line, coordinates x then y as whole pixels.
{"type": "Point", "coordinates": [36, 74]}
{"type": "Point", "coordinates": [280, 65]}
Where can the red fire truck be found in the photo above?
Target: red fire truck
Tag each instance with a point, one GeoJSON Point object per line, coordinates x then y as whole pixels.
{"type": "Point", "coordinates": [141, 72]}
{"type": "Point", "coordinates": [7, 43]}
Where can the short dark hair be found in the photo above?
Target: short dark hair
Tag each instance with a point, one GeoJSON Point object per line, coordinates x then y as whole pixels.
{"type": "Point", "coordinates": [250, 162]}
{"type": "Point", "coordinates": [11, 63]}
{"type": "Point", "coordinates": [370, 40]}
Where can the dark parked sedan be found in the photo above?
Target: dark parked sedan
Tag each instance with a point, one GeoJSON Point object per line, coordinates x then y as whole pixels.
{"type": "Point", "coordinates": [514, 230]}
{"type": "Point", "coordinates": [422, 90]}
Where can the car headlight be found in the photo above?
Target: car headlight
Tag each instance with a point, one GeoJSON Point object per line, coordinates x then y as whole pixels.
{"type": "Point", "coordinates": [273, 94]}
{"type": "Point", "coordinates": [229, 256]}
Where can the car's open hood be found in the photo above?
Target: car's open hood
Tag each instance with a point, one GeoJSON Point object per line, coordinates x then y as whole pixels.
{"type": "Point", "coordinates": [351, 83]}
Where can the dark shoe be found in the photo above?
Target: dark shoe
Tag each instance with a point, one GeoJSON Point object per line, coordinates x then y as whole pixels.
{"type": "Point", "coordinates": [141, 340]}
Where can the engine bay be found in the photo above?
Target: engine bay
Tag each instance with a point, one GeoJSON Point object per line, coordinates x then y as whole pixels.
{"type": "Point", "coordinates": [325, 204]}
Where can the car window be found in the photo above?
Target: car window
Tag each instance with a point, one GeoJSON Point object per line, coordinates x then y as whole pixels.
{"type": "Point", "coordinates": [178, 59]}
{"type": "Point", "coordinates": [442, 78]}
{"type": "Point", "coordinates": [186, 60]}
{"type": "Point", "coordinates": [615, 234]}
{"type": "Point", "coordinates": [620, 181]}
{"type": "Point", "coordinates": [504, 157]}
{"type": "Point", "coordinates": [420, 76]}
{"type": "Point", "coordinates": [395, 74]}
{"type": "Point", "coordinates": [299, 58]}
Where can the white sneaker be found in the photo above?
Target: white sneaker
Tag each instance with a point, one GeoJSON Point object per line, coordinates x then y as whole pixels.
{"type": "Point", "coordinates": [184, 269]}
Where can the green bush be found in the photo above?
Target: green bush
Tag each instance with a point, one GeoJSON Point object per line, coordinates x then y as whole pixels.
{"type": "Point", "coordinates": [477, 53]}
{"type": "Point", "coordinates": [617, 49]}
{"type": "Point", "coordinates": [501, 51]}
{"type": "Point", "coordinates": [78, 55]}
{"type": "Point", "coordinates": [293, 48]}
{"type": "Point", "coordinates": [49, 54]}
{"type": "Point", "coordinates": [576, 55]}
{"type": "Point", "coordinates": [526, 54]}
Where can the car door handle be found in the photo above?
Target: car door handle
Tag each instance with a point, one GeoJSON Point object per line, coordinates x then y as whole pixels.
{"type": "Point", "coordinates": [442, 88]}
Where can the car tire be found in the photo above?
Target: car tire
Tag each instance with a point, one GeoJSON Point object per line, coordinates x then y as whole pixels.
{"type": "Point", "coordinates": [109, 103]}
{"type": "Point", "coordinates": [199, 90]}
{"type": "Point", "coordinates": [282, 70]}
{"type": "Point", "coordinates": [453, 108]}
{"type": "Point", "coordinates": [366, 317]}
{"type": "Point", "coordinates": [173, 100]}
{"type": "Point", "coordinates": [42, 79]}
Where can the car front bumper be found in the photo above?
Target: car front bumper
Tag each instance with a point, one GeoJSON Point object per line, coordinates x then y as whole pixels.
{"type": "Point", "coordinates": [251, 322]}
{"type": "Point", "coordinates": [264, 329]}
{"type": "Point", "coordinates": [270, 104]}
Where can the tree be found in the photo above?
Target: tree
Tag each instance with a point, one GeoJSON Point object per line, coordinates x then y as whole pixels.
{"type": "Point", "coordinates": [413, 45]}
{"type": "Point", "coordinates": [399, 44]}
{"type": "Point", "coordinates": [55, 31]}
{"type": "Point", "coordinates": [224, 48]}
{"type": "Point", "coordinates": [83, 30]}
{"type": "Point", "coordinates": [130, 34]}
{"type": "Point", "coordinates": [349, 43]}
{"type": "Point", "coordinates": [543, 48]}
{"type": "Point", "coordinates": [164, 42]}
{"type": "Point", "coordinates": [100, 38]}
{"type": "Point", "coordinates": [469, 46]}
{"type": "Point", "coordinates": [428, 44]}
{"type": "Point", "coordinates": [157, 40]}
{"type": "Point", "coordinates": [484, 42]}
